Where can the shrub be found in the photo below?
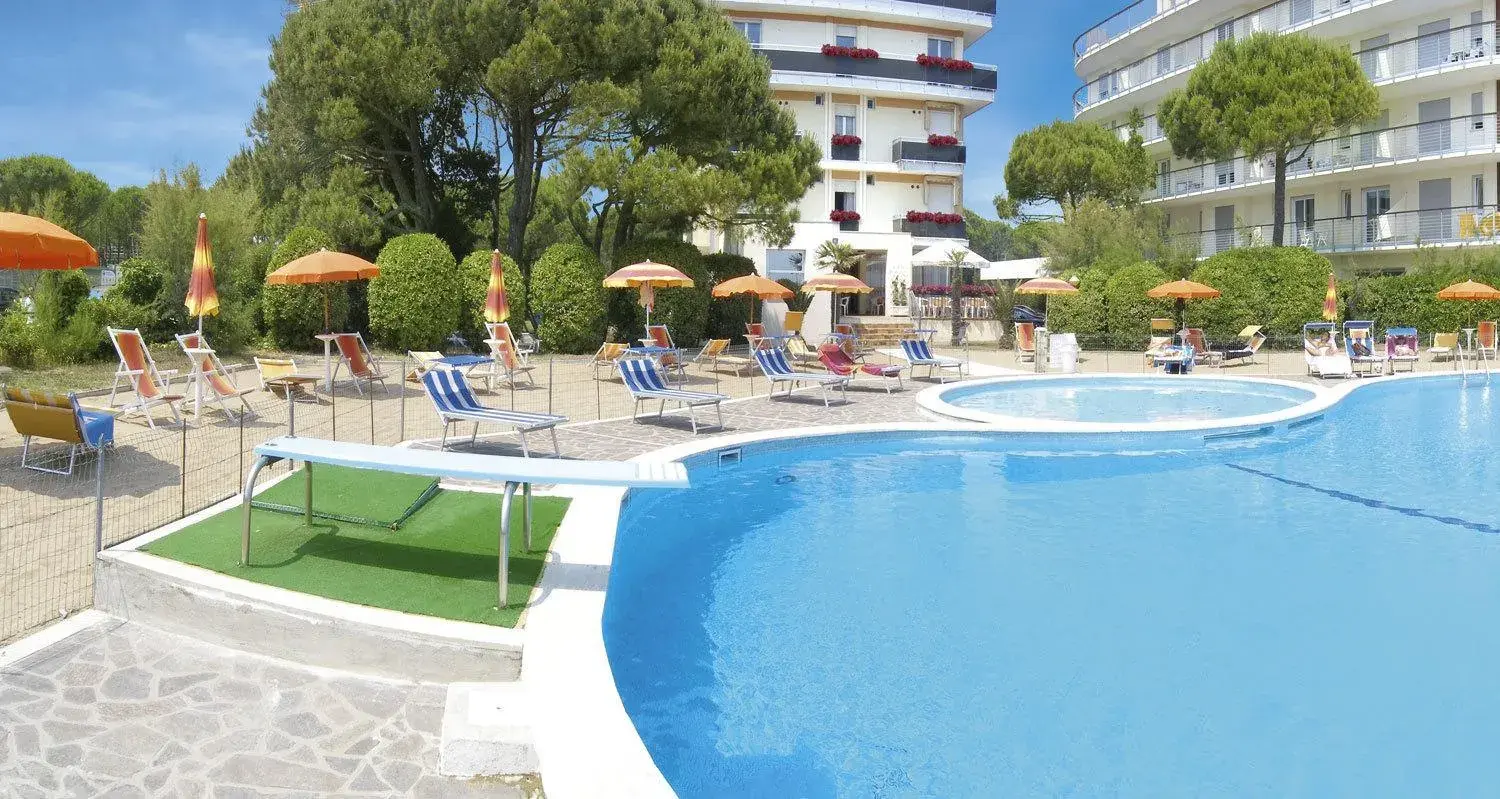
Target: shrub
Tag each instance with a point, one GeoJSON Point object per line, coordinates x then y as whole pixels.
{"type": "Point", "coordinates": [56, 296]}
{"type": "Point", "coordinates": [727, 317]}
{"type": "Point", "coordinates": [82, 339]}
{"type": "Point", "coordinates": [294, 314]}
{"type": "Point", "coordinates": [683, 311]}
{"type": "Point", "coordinates": [474, 276]}
{"type": "Point", "coordinates": [122, 313]}
{"type": "Point", "coordinates": [1411, 299]}
{"type": "Point", "coordinates": [1130, 311]}
{"type": "Point", "coordinates": [19, 338]}
{"type": "Point", "coordinates": [140, 280]}
{"type": "Point", "coordinates": [566, 292]}
{"type": "Point", "coordinates": [1081, 313]}
{"type": "Point", "coordinates": [1279, 288]}
{"type": "Point", "coordinates": [414, 302]}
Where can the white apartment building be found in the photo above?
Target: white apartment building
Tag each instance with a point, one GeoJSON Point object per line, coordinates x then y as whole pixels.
{"type": "Point", "coordinates": [884, 88]}
{"type": "Point", "coordinates": [1423, 174]}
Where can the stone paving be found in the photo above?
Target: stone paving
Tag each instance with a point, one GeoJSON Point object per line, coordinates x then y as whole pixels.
{"type": "Point", "coordinates": [121, 711]}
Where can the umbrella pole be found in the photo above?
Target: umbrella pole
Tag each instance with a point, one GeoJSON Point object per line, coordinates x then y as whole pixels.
{"type": "Point", "coordinates": [327, 324]}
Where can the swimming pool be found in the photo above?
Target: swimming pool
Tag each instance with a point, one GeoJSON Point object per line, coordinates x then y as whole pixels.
{"type": "Point", "coordinates": [1118, 400]}
{"type": "Point", "coordinates": [1305, 613]}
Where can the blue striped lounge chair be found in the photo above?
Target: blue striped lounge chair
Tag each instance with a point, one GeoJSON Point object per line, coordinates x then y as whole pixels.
{"type": "Point", "coordinates": [774, 366]}
{"type": "Point", "coordinates": [455, 403]}
{"type": "Point", "coordinates": [918, 353]}
{"type": "Point", "coordinates": [645, 384]}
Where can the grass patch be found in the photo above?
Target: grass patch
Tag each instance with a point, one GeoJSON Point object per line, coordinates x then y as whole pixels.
{"type": "Point", "coordinates": [441, 563]}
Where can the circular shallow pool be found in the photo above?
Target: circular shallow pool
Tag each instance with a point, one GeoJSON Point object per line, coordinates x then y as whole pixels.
{"type": "Point", "coordinates": [1119, 400]}
{"type": "Point", "coordinates": [1308, 613]}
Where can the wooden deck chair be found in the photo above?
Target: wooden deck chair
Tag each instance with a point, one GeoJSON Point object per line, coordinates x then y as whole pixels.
{"type": "Point", "coordinates": [267, 369]}
{"type": "Point", "coordinates": [355, 354]}
{"type": "Point", "coordinates": [58, 417]}
{"type": "Point", "coordinates": [608, 356]}
{"type": "Point", "coordinates": [207, 367]}
{"type": "Point", "coordinates": [1026, 341]}
{"type": "Point", "coordinates": [522, 348]}
{"type": "Point", "coordinates": [506, 363]}
{"type": "Point", "coordinates": [138, 371]}
{"type": "Point", "coordinates": [792, 324]}
{"type": "Point", "coordinates": [715, 354]}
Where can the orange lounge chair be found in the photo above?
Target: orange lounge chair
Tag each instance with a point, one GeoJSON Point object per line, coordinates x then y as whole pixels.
{"type": "Point", "coordinates": [522, 347]}
{"type": "Point", "coordinates": [208, 368]}
{"type": "Point", "coordinates": [755, 333]}
{"type": "Point", "coordinates": [138, 371]}
{"type": "Point", "coordinates": [662, 337]}
{"type": "Point", "coordinates": [354, 354]}
{"type": "Point", "coordinates": [1485, 339]}
{"type": "Point", "coordinates": [1026, 341]}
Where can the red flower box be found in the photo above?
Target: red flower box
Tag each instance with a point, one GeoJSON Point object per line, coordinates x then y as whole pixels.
{"type": "Point", "coordinates": [846, 140]}
{"type": "Point", "coordinates": [953, 64]}
{"type": "Point", "coordinates": [935, 217]}
{"type": "Point", "coordinates": [849, 52]}
{"type": "Point", "coordinates": [940, 140]}
{"type": "Point", "coordinates": [843, 216]}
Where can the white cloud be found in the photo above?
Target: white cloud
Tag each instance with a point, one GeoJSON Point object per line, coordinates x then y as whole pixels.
{"type": "Point", "coordinates": [233, 54]}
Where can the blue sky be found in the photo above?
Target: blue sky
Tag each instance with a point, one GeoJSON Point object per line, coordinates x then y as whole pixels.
{"type": "Point", "coordinates": [137, 87]}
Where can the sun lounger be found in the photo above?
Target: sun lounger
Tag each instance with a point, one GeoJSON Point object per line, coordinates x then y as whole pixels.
{"type": "Point", "coordinates": [1026, 341]}
{"type": "Point", "coordinates": [755, 333]}
{"type": "Point", "coordinates": [1402, 345]}
{"type": "Point", "coordinates": [645, 384]}
{"type": "Point", "coordinates": [269, 370]}
{"type": "Point", "coordinates": [1177, 360]}
{"type": "Point", "coordinates": [455, 403]}
{"type": "Point", "coordinates": [918, 353]}
{"type": "Point", "coordinates": [138, 371]}
{"type": "Point", "coordinates": [791, 324]}
{"type": "Point", "coordinates": [715, 354]}
{"type": "Point", "coordinates": [1359, 345]}
{"type": "Point", "coordinates": [774, 366]}
{"type": "Point", "coordinates": [660, 336]}
{"type": "Point", "coordinates": [797, 350]}
{"type": "Point", "coordinates": [506, 364]}
{"type": "Point", "coordinates": [1247, 344]}
{"type": "Point", "coordinates": [523, 346]}
{"type": "Point", "coordinates": [57, 417]}
{"type": "Point", "coordinates": [1444, 345]}
{"type": "Point", "coordinates": [1321, 350]}
{"type": "Point", "coordinates": [848, 338]}
{"type": "Point", "coordinates": [1485, 339]}
{"type": "Point", "coordinates": [207, 367]}
{"type": "Point", "coordinates": [1156, 347]}
{"type": "Point", "coordinates": [608, 355]}
{"type": "Point", "coordinates": [838, 362]}
{"type": "Point", "coordinates": [355, 355]}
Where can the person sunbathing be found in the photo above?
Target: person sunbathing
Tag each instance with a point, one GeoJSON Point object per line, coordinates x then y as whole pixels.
{"type": "Point", "coordinates": [1321, 344]}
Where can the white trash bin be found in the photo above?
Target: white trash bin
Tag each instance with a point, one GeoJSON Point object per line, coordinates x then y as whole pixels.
{"type": "Point", "coordinates": [1062, 353]}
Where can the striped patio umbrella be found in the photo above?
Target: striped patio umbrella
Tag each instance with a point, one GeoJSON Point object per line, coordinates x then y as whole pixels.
{"type": "Point", "coordinates": [29, 242]}
{"type": "Point", "coordinates": [1046, 285]}
{"type": "Point", "coordinates": [496, 307]}
{"type": "Point", "coordinates": [1469, 290]}
{"type": "Point", "coordinates": [647, 276]}
{"type": "Point", "coordinates": [1331, 300]}
{"type": "Point", "coordinates": [836, 283]}
{"type": "Point", "coordinates": [754, 286]}
{"type": "Point", "coordinates": [202, 297]}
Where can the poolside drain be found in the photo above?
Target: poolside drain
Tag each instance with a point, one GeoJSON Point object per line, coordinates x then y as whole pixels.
{"type": "Point", "coordinates": [729, 457]}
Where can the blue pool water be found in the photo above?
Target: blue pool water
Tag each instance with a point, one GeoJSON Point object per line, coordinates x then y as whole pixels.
{"type": "Point", "coordinates": [1311, 613]}
{"type": "Point", "coordinates": [1128, 400]}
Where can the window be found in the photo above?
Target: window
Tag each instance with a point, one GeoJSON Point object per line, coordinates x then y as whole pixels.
{"type": "Point", "coordinates": [940, 121]}
{"type": "Point", "coordinates": [1479, 190]}
{"type": "Point", "coordinates": [1476, 110]}
{"type": "Point", "coordinates": [1302, 212]}
{"type": "Point", "coordinates": [846, 36]}
{"type": "Point", "coordinates": [785, 264]}
{"type": "Point", "coordinates": [844, 195]}
{"type": "Point", "coordinates": [1346, 201]}
{"type": "Point", "coordinates": [940, 197]}
{"type": "Point", "coordinates": [845, 121]}
{"type": "Point", "coordinates": [750, 30]}
{"type": "Point", "coordinates": [943, 48]}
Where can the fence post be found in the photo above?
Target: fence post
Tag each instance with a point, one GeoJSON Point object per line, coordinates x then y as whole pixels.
{"type": "Point", "coordinates": [404, 373]}
{"type": "Point", "coordinates": [372, 411]}
{"type": "Point", "coordinates": [333, 410]}
{"type": "Point", "coordinates": [550, 361]}
{"type": "Point", "coordinates": [99, 500]}
{"type": "Point", "coordinates": [598, 397]}
{"type": "Point", "coordinates": [242, 443]}
{"type": "Point", "coordinates": [182, 482]}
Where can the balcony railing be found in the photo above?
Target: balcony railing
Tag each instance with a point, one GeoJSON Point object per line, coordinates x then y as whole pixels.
{"type": "Point", "coordinates": [1150, 130]}
{"type": "Point", "coordinates": [1122, 22]}
{"type": "Point", "coordinates": [1401, 58]}
{"type": "Point", "coordinates": [977, 6]}
{"type": "Point", "coordinates": [920, 150]}
{"type": "Point", "coordinates": [1452, 136]}
{"type": "Point", "coordinates": [1390, 230]}
{"type": "Point", "coordinates": [931, 230]}
{"type": "Point", "coordinates": [844, 152]}
{"type": "Point", "coordinates": [785, 58]}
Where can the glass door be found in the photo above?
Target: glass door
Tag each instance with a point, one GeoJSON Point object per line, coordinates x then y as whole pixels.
{"type": "Point", "coordinates": [1377, 223]}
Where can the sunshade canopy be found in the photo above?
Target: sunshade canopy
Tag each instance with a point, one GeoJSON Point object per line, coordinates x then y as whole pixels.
{"type": "Point", "coordinates": [942, 255]}
{"type": "Point", "coordinates": [496, 305]}
{"type": "Point", "coordinates": [762, 287]}
{"type": "Point", "coordinates": [1046, 285]}
{"type": "Point", "coordinates": [1469, 290]}
{"type": "Point", "coordinates": [29, 242]}
{"type": "Point", "coordinates": [838, 283]}
{"type": "Point", "coordinates": [1183, 290]}
{"type": "Point", "coordinates": [647, 273]}
{"type": "Point", "coordinates": [202, 296]}
{"type": "Point", "coordinates": [323, 266]}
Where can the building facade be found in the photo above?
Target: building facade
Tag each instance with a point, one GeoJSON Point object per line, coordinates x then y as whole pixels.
{"type": "Point", "coordinates": [1423, 174]}
{"type": "Point", "coordinates": [884, 88]}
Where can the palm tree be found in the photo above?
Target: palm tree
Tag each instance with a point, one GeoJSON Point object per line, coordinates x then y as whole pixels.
{"type": "Point", "coordinates": [955, 266]}
{"type": "Point", "coordinates": [839, 256]}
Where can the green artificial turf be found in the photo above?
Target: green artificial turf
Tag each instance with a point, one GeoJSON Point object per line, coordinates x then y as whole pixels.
{"type": "Point", "coordinates": [441, 563]}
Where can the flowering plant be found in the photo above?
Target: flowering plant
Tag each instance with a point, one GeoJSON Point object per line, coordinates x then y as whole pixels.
{"type": "Point", "coordinates": [849, 52]}
{"type": "Point", "coordinates": [936, 217]}
{"type": "Point", "coordinates": [943, 290]}
{"type": "Point", "coordinates": [942, 140]}
{"type": "Point", "coordinates": [843, 216]}
{"type": "Point", "coordinates": [954, 64]}
{"type": "Point", "coordinates": [845, 139]}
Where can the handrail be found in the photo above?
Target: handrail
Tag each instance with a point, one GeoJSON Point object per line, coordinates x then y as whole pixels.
{"type": "Point", "coordinates": [1454, 225]}
{"type": "Point", "coordinates": [884, 56]}
{"type": "Point", "coordinates": [1083, 46]}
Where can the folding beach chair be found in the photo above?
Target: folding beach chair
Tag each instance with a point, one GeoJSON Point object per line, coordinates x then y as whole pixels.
{"type": "Point", "coordinates": [918, 353]}
{"type": "Point", "coordinates": [645, 383]}
{"type": "Point", "coordinates": [849, 340]}
{"type": "Point", "coordinates": [838, 362]}
{"type": "Point", "coordinates": [504, 362]}
{"type": "Point", "coordinates": [797, 349]}
{"type": "Point", "coordinates": [354, 354]}
{"type": "Point", "coordinates": [608, 355]}
{"type": "Point", "coordinates": [214, 376]}
{"type": "Point", "coordinates": [57, 417]}
{"type": "Point", "coordinates": [1485, 340]}
{"type": "Point", "coordinates": [1026, 341]}
{"type": "Point", "coordinates": [524, 347]}
{"type": "Point", "coordinates": [1444, 345]}
{"type": "Point", "coordinates": [1246, 346]}
{"type": "Point", "coordinates": [270, 369]}
{"type": "Point", "coordinates": [791, 324]}
{"type": "Point", "coordinates": [755, 333]}
{"type": "Point", "coordinates": [455, 403]}
{"type": "Point", "coordinates": [1359, 345]}
{"type": "Point", "coordinates": [774, 366]}
{"type": "Point", "coordinates": [138, 371]}
{"type": "Point", "coordinates": [715, 354]}
{"type": "Point", "coordinates": [662, 337]}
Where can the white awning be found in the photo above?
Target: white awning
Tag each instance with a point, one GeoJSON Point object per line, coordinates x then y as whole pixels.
{"type": "Point", "coordinates": [941, 254]}
{"type": "Point", "coordinates": [1019, 269]}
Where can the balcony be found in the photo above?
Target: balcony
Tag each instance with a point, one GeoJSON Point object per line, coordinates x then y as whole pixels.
{"type": "Point", "coordinates": [1462, 46]}
{"type": "Point", "coordinates": [918, 155]}
{"type": "Point", "coordinates": [844, 152]}
{"type": "Point", "coordinates": [1394, 230]}
{"type": "Point", "coordinates": [1122, 23]}
{"type": "Point", "coordinates": [1456, 136]}
{"type": "Point", "coordinates": [930, 230]}
{"type": "Point", "coordinates": [811, 61]}
{"type": "Point", "coordinates": [1151, 131]}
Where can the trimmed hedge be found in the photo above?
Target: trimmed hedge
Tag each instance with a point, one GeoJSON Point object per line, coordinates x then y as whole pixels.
{"type": "Point", "coordinates": [1130, 311]}
{"type": "Point", "coordinates": [566, 290]}
{"type": "Point", "coordinates": [294, 314]}
{"type": "Point", "coordinates": [1082, 312]}
{"type": "Point", "coordinates": [414, 303]}
{"type": "Point", "coordinates": [1412, 300]}
{"type": "Point", "coordinates": [1279, 288]}
{"type": "Point", "coordinates": [727, 317]}
{"type": "Point", "coordinates": [474, 278]}
{"type": "Point", "coordinates": [683, 311]}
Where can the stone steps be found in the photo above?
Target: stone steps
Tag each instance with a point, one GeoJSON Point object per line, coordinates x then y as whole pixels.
{"type": "Point", "coordinates": [881, 334]}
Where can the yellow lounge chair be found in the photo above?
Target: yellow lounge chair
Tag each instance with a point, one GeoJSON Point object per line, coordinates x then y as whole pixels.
{"type": "Point", "coordinates": [268, 369]}
{"type": "Point", "coordinates": [792, 324]}
{"type": "Point", "coordinates": [797, 350]}
{"type": "Point", "coordinates": [609, 355]}
{"type": "Point", "coordinates": [1444, 345]}
{"type": "Point", "coordinates": [57, 417]}
{"type": "Point", "coordinates": [715, 354]}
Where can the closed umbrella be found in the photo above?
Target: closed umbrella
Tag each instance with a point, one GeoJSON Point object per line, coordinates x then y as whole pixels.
{"type": "Point", "coordinates": [1182, 291]}
{"type": "Point", "coordinates": [1331, 300]}
{"type": "Point", "coordinates": [202, 297]}
{"type": "Point", "coordinates": [496, 306]}
{"type": "Point", "coordinates": [647, 276]}
{"type": "Point", "coordinates": [836, 283]}
{"type": "Point", "coordinates": [754, 286]}
{"type": "Point", "coordinates": [29, 242]}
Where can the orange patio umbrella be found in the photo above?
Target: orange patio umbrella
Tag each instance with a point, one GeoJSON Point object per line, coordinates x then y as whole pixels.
{"type": "Point", "coordinates": [496, 307]}
{"type": "Point", "coordinates": [29, 242]}
{"type": "Point", "coordinates": [1182, 291]}
{"type": "Point", "coordinates": [1469, 290]}
{"type": "Point", "coordinates": [647, 276]}
{"type": "Point", "coordinates": [323, 267]}
{"type": "Point", "coordinates": [754, 286]}
{"type": "Point", "coordinates": [202, 297]}
{"type": "Point", "coordinates": [836, 283]}
{"type": "Point", "coordinates": [1046, 285]}
{"type": "Point", "coordinates": [1331, 300]}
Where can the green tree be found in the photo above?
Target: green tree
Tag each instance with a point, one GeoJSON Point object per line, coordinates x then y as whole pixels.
{"type": "Point", "coordinates": [570, 298]}
{"type": "Point", "coordinates": [1270, 96]}
{"type": "Point", "coordinates": [414, 302]}
{"type": "Point", "coordinates": [839, 256]}
{"type": "Point", "coordinates": [1100, 236]}
{"type": "Point", "coordinates": [1069, 162]}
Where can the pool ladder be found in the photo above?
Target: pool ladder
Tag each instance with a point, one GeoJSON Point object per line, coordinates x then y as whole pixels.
{"type": "Point", "coordinates": [1481, 362]}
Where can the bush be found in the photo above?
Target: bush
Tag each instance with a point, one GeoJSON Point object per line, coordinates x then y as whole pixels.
{"type": "Point", "coordinates": [414, 303]}
{"type": "Point", "coordinates": [82, 339]}
{"type": "Point", "coordinates": [727, 317]}
{"type": "Point", "coordinates": [294, 314]}
{"type": "Point", "coordinates": [474, 276]}
{"type": "Point", "coordinates": [123, 313]}
{"type": "Point", "coordinates": [1412, 300]}
{"type": "Point", "coordinates": [140, 281]}
{"type": "Point", "coordinates": [56, 296]}
{"type": "Point", "coordinates": [683, 311]}
{"type": "Point", "coordinates": [19, 338]}
{"type": "Point", "coordinates": [566, 291]}
{"type": "Point", "coordinates": [1081, 313]}
{"type": "Point", "coordinates": [1279, 288]}
{"type": "Point", "coordinates": [1130, 311]}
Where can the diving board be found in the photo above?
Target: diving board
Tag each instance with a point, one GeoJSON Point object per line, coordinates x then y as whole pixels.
{"type": "Point", "coordinates": [509, 472]}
